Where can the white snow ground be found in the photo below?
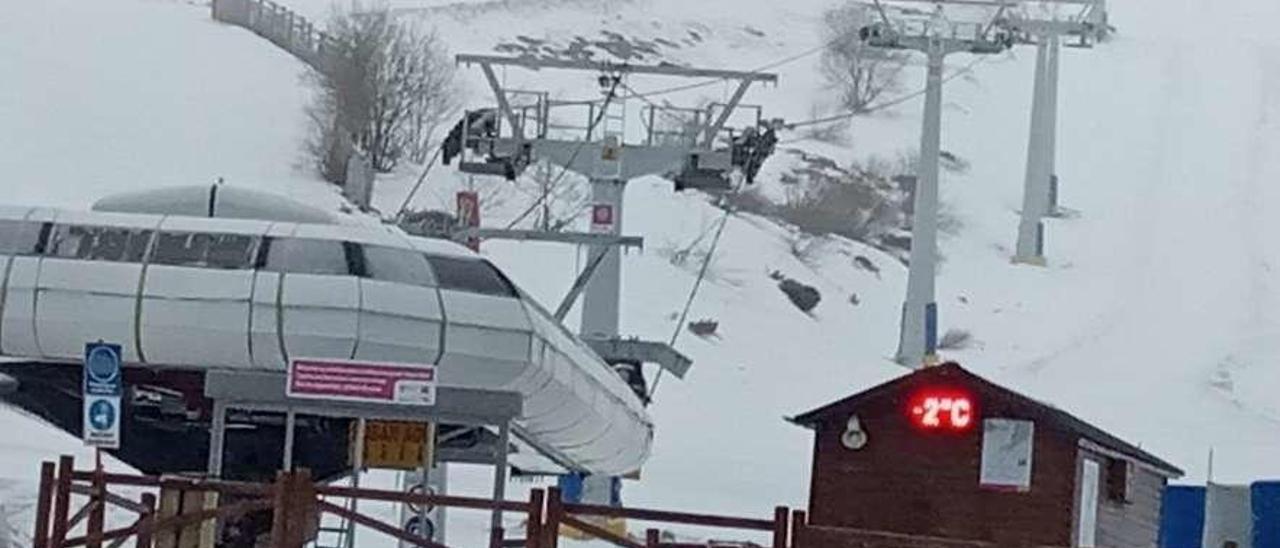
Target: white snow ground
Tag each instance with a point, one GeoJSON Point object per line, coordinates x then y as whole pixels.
{"type": "Point", "coordinates": [1154, 319]}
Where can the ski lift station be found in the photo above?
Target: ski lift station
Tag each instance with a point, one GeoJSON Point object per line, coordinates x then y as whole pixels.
{"type": "Point", "coordinates": [212, 291]}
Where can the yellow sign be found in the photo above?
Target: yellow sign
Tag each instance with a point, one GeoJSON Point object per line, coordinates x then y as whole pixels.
{"type": "Point", "coordinates": [394, 444]}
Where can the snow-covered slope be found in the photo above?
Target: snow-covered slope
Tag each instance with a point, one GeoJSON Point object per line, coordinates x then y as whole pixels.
{"type": "Point", "coordinates": [1154, 318]}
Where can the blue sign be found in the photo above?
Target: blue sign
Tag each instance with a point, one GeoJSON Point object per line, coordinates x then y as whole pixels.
{"type": "Point", "coordinates": [413, 527]}
{"type": "Point", "coordinates": [102, 414]}
{"type": "Point", "coordinates": [102, 421]}
{"type": "Point", "coordinates": [102, 370]}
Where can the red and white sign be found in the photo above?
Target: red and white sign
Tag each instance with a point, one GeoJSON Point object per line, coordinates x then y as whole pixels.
{"type": "Point", "coordinates": [394, 383]}
{"type": "Point", "coordinates": [602, 218]}
{"type": "Point", "coordinates": [469, 214]}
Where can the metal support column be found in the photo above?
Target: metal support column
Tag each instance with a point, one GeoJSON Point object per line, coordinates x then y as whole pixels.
{"type": "Point", "coordinates": [1035, 190]}
{"type": "Point", "coordinates": [604, 290]}
{"type": "Point", "coordinates": [918, 339]}
{"type": "Point", "coordinates": [217, 439]}
{"type": "Point", "coordinates": [1051, 126]}
{"type": "Point", "coordinates": [290, 422]}
{"type": "Point", "coordinates": [500, 474]}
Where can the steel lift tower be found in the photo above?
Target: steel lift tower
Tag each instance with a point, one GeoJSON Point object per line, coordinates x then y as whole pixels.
{"type": "Point", "coordinates": [936, 37]}
{"type": "Point", "coordinates": [697, 151]}
{"type": "Point", "coordinates": [1045, 23]}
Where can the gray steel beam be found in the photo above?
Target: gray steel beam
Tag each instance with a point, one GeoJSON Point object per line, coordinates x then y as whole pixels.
{"type": "Point", "coordinates": [600, 302]}
{"type": "Point", "coordinates": [503, 105]}
{"type": "Point", "coordinates": [534, 63]}
{"type": "Point", "coordinates": [614, 350]}
{"type": "Point", "coordinates": [718, 124]}
{"type": "Point", "coordinates": [579, 284]}
{"type": "Point", "coordinates": [1027, 249]}
{"type": "Point", "coordinates": [265, 391]}
{"type": "Point", "coordinates": [576, 238]}
{"type": "Point", "coordinates": [918, 339]}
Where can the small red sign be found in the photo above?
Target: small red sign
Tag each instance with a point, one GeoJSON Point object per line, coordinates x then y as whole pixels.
{"type": "Point", "coordinates": [469, 214]}
{"type": "Point", "coordinates": [602, 214]}
{"type": "Point", "coordinates": [323, 379]}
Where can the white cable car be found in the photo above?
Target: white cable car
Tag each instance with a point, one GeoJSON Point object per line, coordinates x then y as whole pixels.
{"type": "Point", "coordinates": [187, 285]}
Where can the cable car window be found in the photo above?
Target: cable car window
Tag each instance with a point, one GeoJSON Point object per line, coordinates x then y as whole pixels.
{"type": "Point", "coordinates": [471, 275]}
{"type": "Point", "coordinates": [71, 242]}
{"type": "Point", "coordinates": [99, 243]}
{"type": "Point", "coordinates": [300, 256]}
{"type": "Point", "coordinates": [136, 249]}
{"type": "Point", "coordinates": [20, 237]}
{"type": "Point", "coordinates": [397, 265]}
{"type": "Point", "coordinates": [232, 251]}
{"type": "Point", "coordinates": [181, 249]}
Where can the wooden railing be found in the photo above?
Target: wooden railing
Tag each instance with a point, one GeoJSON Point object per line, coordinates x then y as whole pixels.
{"type": "Point", "coordinates": [296, 504]}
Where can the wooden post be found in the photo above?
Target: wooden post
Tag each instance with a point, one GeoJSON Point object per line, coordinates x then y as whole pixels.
{"type": "Point", "coordinates": [97, 515]}
{"type": "Point", "coordinates": [555, 510]}
{"type": "Point", "coordinates": [652, 538]}
{"type": "Point", "coordinates": [798, 522]}
{"type": "Point", "coordinates": [44, 505]}
{"type": "Point", "coordinates": [147, 530]}
{"type": "Point", "coordinates": [533, 525]}
{"type": "Point", "coordinates": [279, 518]}
{"type": "Point", "coordinates": [781, 519]}
{"type": "Point", "coordinates": [62, 501]}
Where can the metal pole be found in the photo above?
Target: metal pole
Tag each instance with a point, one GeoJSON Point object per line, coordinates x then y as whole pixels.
{"type": "Point", "coordinates": [918, 339]}
{"type": "Point", "coordinates": [500, 473]}
{"type": "Point", "coordinates": [290, 420]}
{"type": "Point", "coordinates": [1030, 229]}
{"type": "Point", "coordinates": [357, 466]}
{"type": "Point", "coordinates": [428, 460]}
{"type": "Point", "coordinates": [600, 301]}
{"type": "Point", "coordinates": [1051, 126]}
{"type": "Point", "coordinates": [217, 439]}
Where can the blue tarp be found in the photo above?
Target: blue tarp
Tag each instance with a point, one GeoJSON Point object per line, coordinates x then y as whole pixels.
{"type": "Point", "coordinates": [1182, 516]}
{"type": "Point", "coordinates": [1265, 497]}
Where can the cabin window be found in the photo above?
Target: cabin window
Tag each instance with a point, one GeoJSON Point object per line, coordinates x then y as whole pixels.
{"type": "Point", "coordinates": [303, 256]}
{"type": "Point", "coordinates": [236, 251]}
{"type": "Point", "coordinates": [470, 275]}
{"type": "Point", "coordinates": [397, 265]}
{"type": "Point", "coordinates": [20, 237]}
{"type": "Point", "coordinates": [1119, 480]}
{"type": "Point", "coordinates": [100, 243]}
{"type": "Point", "coordinates": [181, 249]}
{"type": "Point", "coordinates": [229, 251]}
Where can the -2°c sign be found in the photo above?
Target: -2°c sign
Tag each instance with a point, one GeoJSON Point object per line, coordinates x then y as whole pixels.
{"type": "Point", "coordinates": [102, 390]}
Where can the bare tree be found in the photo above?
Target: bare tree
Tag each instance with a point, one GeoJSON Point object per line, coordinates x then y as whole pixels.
{"type": "Point", "coordinates": [860, 73]}
{"type": "Point", "coordinates": [386, 93]}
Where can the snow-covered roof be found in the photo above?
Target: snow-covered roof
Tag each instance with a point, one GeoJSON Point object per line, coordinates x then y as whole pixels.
{"type": "Point", "coordinates": [225, 201]}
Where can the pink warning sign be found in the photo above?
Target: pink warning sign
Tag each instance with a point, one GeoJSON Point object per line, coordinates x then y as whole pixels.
{"type": "Point", "coordinates": [395, 383]}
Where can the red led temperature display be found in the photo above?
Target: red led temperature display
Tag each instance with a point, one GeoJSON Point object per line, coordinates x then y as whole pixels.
{"type": "Point", "coordinates": [942, 409]}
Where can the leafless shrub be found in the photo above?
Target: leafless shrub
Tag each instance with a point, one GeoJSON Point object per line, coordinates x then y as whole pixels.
{"type": "Point", "coordinates": [386, 94]}
{"type": "Point", "coordinates": [860, 74]}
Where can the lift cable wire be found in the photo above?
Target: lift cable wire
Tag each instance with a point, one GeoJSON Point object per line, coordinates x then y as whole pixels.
{"type": "Point", "coordinates": [697, 284]}
{"type": "Point", "coordinates": [775, 64]}
{"type": "Point", "coordinates": [404, 206]}
{"type": "Point", "coordinates": [889, 103]}
{"type": "Point", "coordinates": [609, 97]}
